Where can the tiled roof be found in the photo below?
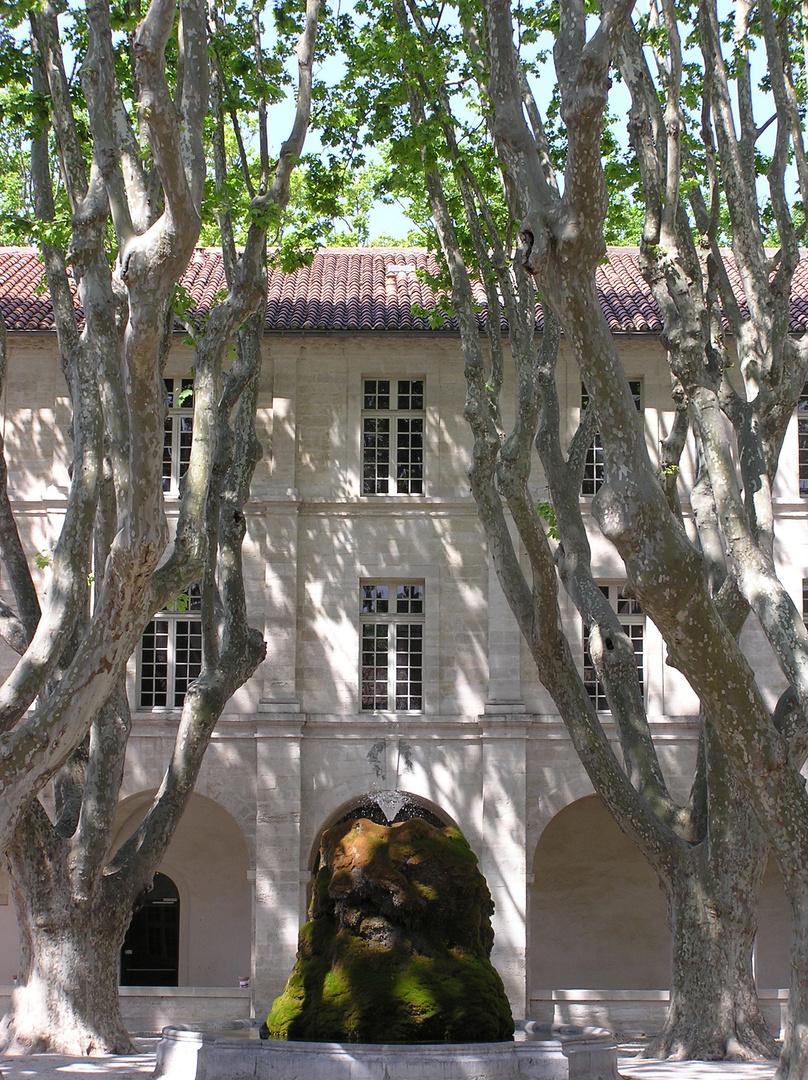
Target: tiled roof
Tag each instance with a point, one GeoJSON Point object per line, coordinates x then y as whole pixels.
{"type": "Point", "coordinates": [363, 289]}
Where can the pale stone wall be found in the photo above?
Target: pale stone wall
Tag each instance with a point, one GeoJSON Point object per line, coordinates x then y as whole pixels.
{"type": "Point", "coordinates": [488, 752]}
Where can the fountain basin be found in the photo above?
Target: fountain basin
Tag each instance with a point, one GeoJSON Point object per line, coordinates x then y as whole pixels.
{"type": "Point", "coordinates": [538, 1052]}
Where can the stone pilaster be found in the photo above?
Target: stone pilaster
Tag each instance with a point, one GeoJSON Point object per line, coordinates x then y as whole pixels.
{"type": "Point", "coordinates": [280, 556]}
{"type": "Point", "coordinates": [504, 810]}
{"type": "Point", "coordinates": [277, 859]}
{"type": "Point", "coordinates": [504, 644]}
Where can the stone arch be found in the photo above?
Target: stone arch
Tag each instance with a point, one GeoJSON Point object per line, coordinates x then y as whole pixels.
{"type": "Point", "coordinates": [412, 806]}
{"type": "Point", "coordinates": [597, 914]}
{"type": "Point", "coordinates": [569, 785]}
{"type": "Point", "coordinates": [208, 860]}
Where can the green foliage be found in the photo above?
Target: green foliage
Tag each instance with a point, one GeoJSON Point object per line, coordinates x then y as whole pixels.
{"type": "Point", "coordinates": [180, 604]}
{"type": "Point", "coordinates": [42, 559]}
{"type": "Point", "coordinates": [547, 513]}
{"type": "Point", "coordinates": [23, 115]}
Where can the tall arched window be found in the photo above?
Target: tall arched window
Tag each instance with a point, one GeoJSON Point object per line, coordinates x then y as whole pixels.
{"type": "Point", "coordinates": [150, 955]}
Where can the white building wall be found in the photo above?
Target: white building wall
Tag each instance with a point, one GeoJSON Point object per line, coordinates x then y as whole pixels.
{"type": "Point", "coordinates": [488, 750]}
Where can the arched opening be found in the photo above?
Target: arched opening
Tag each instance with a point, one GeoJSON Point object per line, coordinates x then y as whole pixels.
{"type": "Point", "coordinates": [150, 955]}
{"type": "Point", "coordinates": [208, 862]}
{"type": "Point", "coordinates": [598, 916]}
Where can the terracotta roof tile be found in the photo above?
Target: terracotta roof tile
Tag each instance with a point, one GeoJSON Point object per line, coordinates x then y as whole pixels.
{"type": "Point", "coordinates": [364, 289]}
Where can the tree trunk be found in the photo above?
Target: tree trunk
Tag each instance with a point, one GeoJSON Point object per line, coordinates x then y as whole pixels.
{"type": "Point", "coordinates": [714, 1013]}
{"type": "Point", "coordinates": [67, 997]}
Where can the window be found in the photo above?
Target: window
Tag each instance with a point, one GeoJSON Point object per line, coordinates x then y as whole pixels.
{"type": "Point", "coordinates": [802, 428]}
{"type": "Point", "coordinates": [179, 427]}
{"type": "Point", "coordinates": [171, 653]}
{"type": "Point", "coordinates": [633, 622]}
{"type": "Point", "coordinates": [593, 467]}
{"type": "Point", "coordinates": [150, 955]}
{"type": "Point", "coordinates": [393, 437]}
{"type": "Point", "coordinates": [392, 631]}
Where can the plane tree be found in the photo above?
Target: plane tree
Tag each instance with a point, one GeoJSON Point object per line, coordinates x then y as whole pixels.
{"type": "Point", "coordinates": [136, 207]}
{"type": "Point", "coordinates": [465, 116]}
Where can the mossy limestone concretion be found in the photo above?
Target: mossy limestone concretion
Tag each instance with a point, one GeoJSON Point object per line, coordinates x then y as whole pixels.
{"type": "Point", "coordinates": [397, 945]}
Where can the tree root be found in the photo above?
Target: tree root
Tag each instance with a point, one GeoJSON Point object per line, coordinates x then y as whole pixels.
{"type": "Point", "coordinates": [682, 1042]}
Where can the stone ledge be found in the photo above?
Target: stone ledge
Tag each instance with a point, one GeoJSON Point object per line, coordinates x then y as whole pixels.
{"type": "Point", "coordinates": [631, 1014]}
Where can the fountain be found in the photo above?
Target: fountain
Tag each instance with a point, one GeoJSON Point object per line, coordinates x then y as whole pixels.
{"type": "Point", "coordinates": [397, 946]}
{"type": "Point", "coordinates": [393, 979]}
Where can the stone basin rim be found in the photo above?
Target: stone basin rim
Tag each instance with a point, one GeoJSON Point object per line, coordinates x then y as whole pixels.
{"type": "Point", "coordinates": [540, 1051]}
{"type": "Point", "coordinates": [526, 1031]}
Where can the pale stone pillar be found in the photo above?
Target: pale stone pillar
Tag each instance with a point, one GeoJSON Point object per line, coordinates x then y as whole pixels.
{"type": "Point", "coordinates": [504, 643]}
{"type": "Point", "coordinates": [504, 818]}
{"type": "Point", "coordinates": [277, 854]}
{"type": "Point", "coordinates": [279, 690]}
{"type": "Point", "coordinates": [280, 500]}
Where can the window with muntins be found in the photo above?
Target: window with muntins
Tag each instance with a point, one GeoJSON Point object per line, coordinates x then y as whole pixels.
{"type": "Point", "coordinates": [392, 643]}
{"type": "Point", "coordinates": [593, 467]}
{"type": "Point", "coordinates": [802, 428]}
{"type": "Point", "coordinates": [632, 620]}
{"type": "Point", "coordinates": [171, 653]}
{"type": "Point", "coordinates": [178, 434]}
{"type": "Point", "coordinates": [392, 436]}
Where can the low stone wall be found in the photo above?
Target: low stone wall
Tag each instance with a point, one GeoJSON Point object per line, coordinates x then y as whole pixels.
{"type": "Point", "coordinates": [631, 1014]}
{"type": "Point", "coordinates": [542, 1052]}
{"type": "Point", "coordinates": [148, 1009]}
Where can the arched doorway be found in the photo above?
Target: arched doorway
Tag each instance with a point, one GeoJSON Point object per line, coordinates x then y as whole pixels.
{"type": "Point", "coordinates": [150, 955]}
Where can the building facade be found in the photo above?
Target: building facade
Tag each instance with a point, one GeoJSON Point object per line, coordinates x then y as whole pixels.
{"type": "Point", "coordinates": [393, 663]}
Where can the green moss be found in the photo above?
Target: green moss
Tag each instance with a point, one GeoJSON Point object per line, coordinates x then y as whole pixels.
{"type": "Point", "coordinates": [397, 949]}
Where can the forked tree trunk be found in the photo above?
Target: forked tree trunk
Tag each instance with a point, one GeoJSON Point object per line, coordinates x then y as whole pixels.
{"type": "Point", "coordinates": [714, 1013]}
{"type": "Point", "coordinates": [67, 997]}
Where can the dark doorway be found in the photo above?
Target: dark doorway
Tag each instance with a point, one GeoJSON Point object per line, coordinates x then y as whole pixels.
{"type": "Point", "coordinates": [151, 949]}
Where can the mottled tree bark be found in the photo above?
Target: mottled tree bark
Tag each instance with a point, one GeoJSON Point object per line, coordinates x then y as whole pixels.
{"type": "Point", "coordinates": [714, 1014]}
{"type": "Point", "coordinates": [67, 995]}
{"type": "Point", "coordinates": [74, 898]}
{"type": "Point", "coordinates": [708, 855]}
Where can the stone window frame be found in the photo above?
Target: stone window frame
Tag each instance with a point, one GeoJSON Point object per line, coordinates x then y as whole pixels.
{"type": "Point", "coordinates": [170, 652]}
{"type": "Point", "coordinates": [400, 635]}
{"type": "Point", "coordinates": [633, 621]}
{"type": "Point", "coordinates": [401, 475]}
{"type": "Point", "coordinates": [177, 431]}
{"type": "Point", "coordinates": [802, 442]}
